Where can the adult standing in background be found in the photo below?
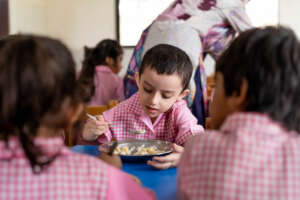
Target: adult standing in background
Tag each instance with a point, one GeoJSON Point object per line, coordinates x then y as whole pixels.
{"type": "Point", "coordinates": [199, 27]}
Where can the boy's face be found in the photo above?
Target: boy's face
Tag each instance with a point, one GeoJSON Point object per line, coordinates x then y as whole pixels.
{"type": "Point", "coordinates": [158, 92]}
{"type": "Point", "coordinates": [218, 107]}
{"type": "Point", "coordinates": [222, 105]}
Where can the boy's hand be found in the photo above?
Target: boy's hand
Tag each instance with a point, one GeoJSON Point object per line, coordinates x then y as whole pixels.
{"type": "Point", "coordinates": [94, 128]}
{"type": "Point", "coordinates": [165, 162]}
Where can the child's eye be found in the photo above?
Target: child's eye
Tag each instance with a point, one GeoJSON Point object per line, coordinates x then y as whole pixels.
{"type": "Point", "coordinates": [147, 90]}
{"type": "Point", "coordinates": [166, 97]}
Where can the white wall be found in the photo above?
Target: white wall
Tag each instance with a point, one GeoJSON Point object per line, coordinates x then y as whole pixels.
{"type": "Point", "coordinates": [81, 22]}
{"type": "Point", "coordinates": [75, 22]}
{"type": "Point", "coordinates": [28, 16]}
{"type": "Point", "coordinates": [289, 14]}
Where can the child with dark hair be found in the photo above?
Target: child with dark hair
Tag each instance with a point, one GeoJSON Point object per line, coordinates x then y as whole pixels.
{"type": "Point", "coordinates": [39, 98]}
{"type": "Point", "coordinates": [254, 151]}
{"type": "Point", "coordinates": [157, 108]}
{"type": "Point", "coordinates": [98, 77]}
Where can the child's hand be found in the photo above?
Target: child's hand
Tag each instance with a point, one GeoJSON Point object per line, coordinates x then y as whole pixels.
{"type": "Point", "coordinates": [113, 160]}
{"type": "Point", "coordinates": [94, 128]}
{"type": "Point", "coordinates": [165, 162]}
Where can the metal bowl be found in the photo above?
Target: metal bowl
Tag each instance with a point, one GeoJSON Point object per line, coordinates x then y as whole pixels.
{"type": "Point", "coordinates": [163, 146]}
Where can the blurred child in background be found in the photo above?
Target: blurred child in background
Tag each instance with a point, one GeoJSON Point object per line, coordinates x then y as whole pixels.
{"type": "Point", "coordinates": [254, 151]}
{"type": "Point", "coordinates": [39, 98]}
{"type": "Point", "coordinates": [99, 75]}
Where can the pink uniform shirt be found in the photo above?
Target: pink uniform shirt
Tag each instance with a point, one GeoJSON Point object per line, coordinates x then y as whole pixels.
{"type": "Point", "coordinates": [176, 125]}
{"type": "Point", "coordinates": [70, 176]}
{"type": "Point", "coordinates": [108, 86]}
{"type": "Point", "coordinates": [251, 157]}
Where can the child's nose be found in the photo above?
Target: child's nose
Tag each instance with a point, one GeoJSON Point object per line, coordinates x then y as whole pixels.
{"type": "Point", "coordinates": [155, 98]}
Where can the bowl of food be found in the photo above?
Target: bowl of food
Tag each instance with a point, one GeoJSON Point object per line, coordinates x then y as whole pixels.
{"type": "Point", "coordinates": [139, 150]}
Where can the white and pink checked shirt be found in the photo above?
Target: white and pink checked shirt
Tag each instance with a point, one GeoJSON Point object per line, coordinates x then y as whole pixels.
{"type": "Point", "coordinates": [70, 176]}
{"type": "Point", "coordinates": [176, 125]}
{"type": "Point", "coordinates": [251, 157]}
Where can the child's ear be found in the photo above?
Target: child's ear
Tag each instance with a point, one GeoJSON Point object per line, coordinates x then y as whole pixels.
{"type": "Point", "coordinates": [137, 79]}
{"type": "Point", "coordinates": [238, 101]}
{"type": "Point", "coordinates": [109, 61]}
{"type": "Point", "coordinates": [183, 94]}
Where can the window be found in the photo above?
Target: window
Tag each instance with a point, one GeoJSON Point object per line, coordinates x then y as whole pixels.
{"type": "Point", "coordinates": [135, 15]}
{"type": "Point", "coordinates": [263, 12]}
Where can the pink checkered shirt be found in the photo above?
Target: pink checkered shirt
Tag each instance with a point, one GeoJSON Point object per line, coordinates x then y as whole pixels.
{"type": "Point", "coordinates": [70, 176]}
{"type": "Point", "coordinates": [176, 125]}
{"type": "Point", "coordinates": [251, 157]}
{"type": "Point", "coordinates": [108, 86]}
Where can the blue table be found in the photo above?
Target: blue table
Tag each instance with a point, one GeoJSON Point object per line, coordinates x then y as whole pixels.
{"type": "Point", "coordinates": [162, 182]}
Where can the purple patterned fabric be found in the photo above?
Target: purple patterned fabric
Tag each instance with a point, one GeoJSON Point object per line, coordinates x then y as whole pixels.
{"type": "Point", "coordinates": [207, 4]}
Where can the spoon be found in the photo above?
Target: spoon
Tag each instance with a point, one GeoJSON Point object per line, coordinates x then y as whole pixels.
{"type": "Point", "coordinates": [138, 131]}
{"type": "Point", "coordinates": [91, 116]}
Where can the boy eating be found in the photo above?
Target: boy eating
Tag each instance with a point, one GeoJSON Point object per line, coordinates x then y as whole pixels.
{"type": "Point", "coordinates": [157, 110]}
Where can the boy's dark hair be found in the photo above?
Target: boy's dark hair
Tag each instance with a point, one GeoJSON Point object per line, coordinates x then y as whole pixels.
{"type": "Point", "coordinates": [93, 57]}
{"type": "Point", "coordinates": [168, 59]}
{"type": "Point", "coordinates": [37, 76]}
{"type": "Point", "coordinates": [269, 60]}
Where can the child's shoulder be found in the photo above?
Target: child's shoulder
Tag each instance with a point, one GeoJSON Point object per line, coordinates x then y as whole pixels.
{"type": "Point", "coordinates": [87, 171]}
{"type": "Point", "coordinates": [85, 162]}
{"type": "Point", "coordinates": [208, 140]}
{"type": "Point", "coordinates": [210, 137]}
{"type": "Point", "coordinates": [84, 165]}
{"type": "Point", "coordinates": [131, 104]}
{"type": "Point", "coordinates": [180, 107]}
{"type": "Point", "coordinates": [180, 104]}
{"type": "Point", "coordinates": [125, 110]}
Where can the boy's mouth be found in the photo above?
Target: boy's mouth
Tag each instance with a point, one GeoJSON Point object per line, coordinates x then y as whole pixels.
{"type": "Point", "coordinates": [151, 109]}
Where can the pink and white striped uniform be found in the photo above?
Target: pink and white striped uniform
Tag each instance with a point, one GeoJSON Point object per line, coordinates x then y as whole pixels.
{"type": "Point", "coordinates": [108, 86]}
{"type": "Point", "coordinates": [176, 125]}
{"type": "Point", "coordinates": [250, 157]}
{"type": "Point", "coordinates": [69, 176]}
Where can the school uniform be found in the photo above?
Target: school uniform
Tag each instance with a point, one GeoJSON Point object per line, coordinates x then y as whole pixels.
{"type": "Point", "coordinates": [108, 86]}
{"type": "Point", "coordinates": [69, 176]}
{"type": "Point", "coordinates": [250, 157]}
{"type": "Point", "coordinates": [175, 125]}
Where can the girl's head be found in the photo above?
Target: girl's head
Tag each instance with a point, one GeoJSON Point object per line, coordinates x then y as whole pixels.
{"type": "Point", "coordinates": [260, 72]}
{"type": "Point", "coordinates": [163, 78]}
{"type": "Point", "coordinates": [38, 90]}
{"type": "Point", "coordinates": [107, 52]}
